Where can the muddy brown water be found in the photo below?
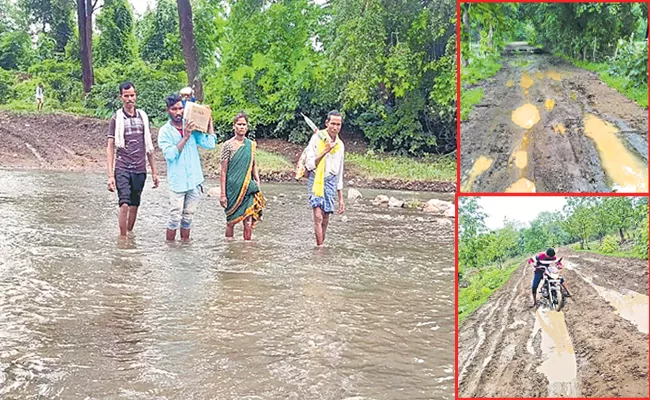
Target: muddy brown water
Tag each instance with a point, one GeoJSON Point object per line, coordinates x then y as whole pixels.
{"type": "Point", "coordinates": [84, 315]}
{"type": "Point", "coordinates": [574, 133]}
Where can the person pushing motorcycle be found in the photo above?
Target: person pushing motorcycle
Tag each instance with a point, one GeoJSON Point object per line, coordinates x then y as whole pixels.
{"type": "Point", "coordinates": [538, 261]}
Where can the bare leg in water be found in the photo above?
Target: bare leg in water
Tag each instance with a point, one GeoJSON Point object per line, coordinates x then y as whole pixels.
{"type": "Point", "coordinates": [321, 219]}
{"type": "Point", "coordinates": [248, 228]}
{"type": "Point", "coordinates": [133, 214]}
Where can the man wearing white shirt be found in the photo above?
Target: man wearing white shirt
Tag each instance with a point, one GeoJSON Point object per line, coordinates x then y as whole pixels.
{"type": "Point", "coordinates": [325, 155]}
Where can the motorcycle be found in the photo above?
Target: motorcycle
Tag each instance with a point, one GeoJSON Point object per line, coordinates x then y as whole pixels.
{"type": "Point", "coordinates": [551, 288]}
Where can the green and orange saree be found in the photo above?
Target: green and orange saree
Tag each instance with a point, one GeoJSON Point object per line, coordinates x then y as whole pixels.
{"type": "Point", "coordinates": [244, 196]}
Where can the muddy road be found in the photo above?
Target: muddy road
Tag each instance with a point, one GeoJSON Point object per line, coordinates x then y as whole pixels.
{"type": "Point", "coordinates": [546, 126]}
{"type": "Point", "coordinates": [596, 346]}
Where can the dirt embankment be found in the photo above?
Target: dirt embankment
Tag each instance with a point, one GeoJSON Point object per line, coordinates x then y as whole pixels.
{"type": "Point", "coordinates": [544, 125]}
{"type": "Point", "coordinates": [588, 349]}
{"type": "Point", "coordinates": [74, 143]}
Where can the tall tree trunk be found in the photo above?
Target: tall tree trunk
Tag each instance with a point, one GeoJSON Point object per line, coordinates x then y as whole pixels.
{"type": "Point", "coordinates": [85, 25]}
{"type": "Point", "coordinates": [189, 47]}
{"type": "Point", "coordinates": [620, 231]}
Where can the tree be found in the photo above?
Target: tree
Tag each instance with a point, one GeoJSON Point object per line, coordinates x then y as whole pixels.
{"type": "Point", "coordinates": [15, 50]}
{"type": "Point", "coordinates": [116, 39]}
{"type": "Point", "coordinates": [579, 220]}
{"type": "Point", "coordinates": [85, 9]}
{"type": "Point", "coordinates": [158, 33]}
{"type": "Point", "coordinates": [52, 17]}
{"type": "Point", "coordinates": [189, 47]}
{"type": "Point", "coordinates": [620, 213]}
{"type": "Point", "coordinates": [471, 225]}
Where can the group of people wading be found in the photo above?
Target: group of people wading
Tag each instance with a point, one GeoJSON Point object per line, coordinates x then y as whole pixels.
{"type": "Point", "coordinates": [130, 146]}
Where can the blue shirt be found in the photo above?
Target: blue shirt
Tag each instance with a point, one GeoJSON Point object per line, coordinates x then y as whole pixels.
{"type": "Point", "coordinates": [184, 170]}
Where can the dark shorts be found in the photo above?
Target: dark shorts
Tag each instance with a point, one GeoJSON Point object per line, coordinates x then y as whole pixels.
{"type": "Point", "coordinates": [129, 186]}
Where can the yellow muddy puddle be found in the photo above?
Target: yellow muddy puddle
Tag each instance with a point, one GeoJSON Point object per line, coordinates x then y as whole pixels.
{"type": "Point", "coordinates": [559, 129]}
{"type": "Point", "coordinates": [526, 116]}
{"type": "Point", "coordinates": [631, 306]}
{"type": "Point", "coordinates": [526, 92]}
{"type": "Point", "coordinates": [481, 165]}
{"type": "Point", "coordinates": [521, 159]}
{"type": "Point", "coordinates": [627, 172]}
{"type": "Point", "coordinates": [526, 81]}
{"type": "Point", "coordinates": [510, 83]}
{"type": "Point", "coordinates": [554, 75]}
{"type": "Point", "coordinates": [549, 104]}
{"type": "Point", "coordinates": [523, 185]}
{"type": "Point", "coordinates": [558, 356]}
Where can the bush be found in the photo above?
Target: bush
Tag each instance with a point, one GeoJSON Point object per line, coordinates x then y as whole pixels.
{"type": "Point", "coordinates": [152, 86]}
{"type": "Point", "coordinates": [7, 86]}
{"type": "Point", "coordinates": [630, 62]}
{"type": "Point", "coordinates": [610, 244]}
{"type": "Point", "coordinates": [62, 81]}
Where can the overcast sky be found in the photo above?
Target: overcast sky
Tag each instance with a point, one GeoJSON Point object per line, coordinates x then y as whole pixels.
{"type": "Point", "coordinates": [140, 6]}
{"type": "Point", "coordinates": [523, 209]}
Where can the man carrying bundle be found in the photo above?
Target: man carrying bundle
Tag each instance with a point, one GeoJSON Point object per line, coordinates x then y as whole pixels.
{"type": "Point", "coordinates": [324, 160]}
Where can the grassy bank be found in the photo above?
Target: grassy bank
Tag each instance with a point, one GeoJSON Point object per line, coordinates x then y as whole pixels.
{"type": "Point", "coordinates": [369, 166]}
{"type": "Point", "coordinates": [594, 247]}
{"type": "Point", "coordinates": [404, 168]}
{"type": "Point", "coordinates": [622, 85]}
{"type": "Point", "coordinates": [477, 71]}
{"type": "Point", "coordinates": [481, 285]}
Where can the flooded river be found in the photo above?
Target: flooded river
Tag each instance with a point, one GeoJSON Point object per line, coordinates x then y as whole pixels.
{"type": "Point", "coordinates": [86, 316]}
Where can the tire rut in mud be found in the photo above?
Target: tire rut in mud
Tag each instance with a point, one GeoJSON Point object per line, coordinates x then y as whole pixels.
{"type": "Point", "coordinates": [501, 365]}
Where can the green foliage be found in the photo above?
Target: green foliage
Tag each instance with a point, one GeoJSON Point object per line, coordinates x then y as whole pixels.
{"type": "Point", "coordinates": [116, 42]}
{"type": "Point", "coordinates": [478, 71]}
{"type": "Point", "coordinates": [157, 33]}
{"type": "Point", "coordinates": [410, 169]}
{"type": "Point", "coordinates": [631, 62]}
{"type": "Point", "coordinates": [15, 50]}
{"type": "Point", "coordinates": [641, 239]}
{"type": "Point", "coordinates": [481, 286]}
{"type": "Point", "coordinates": [468, 99]}
{"type": "Point", "coordinates": [7, 82]}
{"type": "Point", "coordinates": [152, 87]}
{"type": "Point", "coordinates": [584, 30]}
{"type": "Point", "coordinates": [62, 82]}
{"type": "Point", "coordinates": [53, 17]}
{"type": "Point", "coordinates": [610, 245]}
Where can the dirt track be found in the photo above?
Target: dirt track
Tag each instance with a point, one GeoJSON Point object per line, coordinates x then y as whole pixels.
{"type": "Point", "coordinates": [74, 143]}
{"type": "Point", "coordinates": [508, 350]}
{"type": "Point", "coordinates": [546, 126]}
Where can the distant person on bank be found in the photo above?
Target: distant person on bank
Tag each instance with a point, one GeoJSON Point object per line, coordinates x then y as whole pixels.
{"type": "Point", "coordinates": [241, 197]}
{"type": "Point", "coordinates": [40, 95]}
{"type": "Point", "coordinates": [180, 143]}
{"type": "Point", "coordinates": [129, 147]}
{"type": "Point", "coordinates": [324, 160]}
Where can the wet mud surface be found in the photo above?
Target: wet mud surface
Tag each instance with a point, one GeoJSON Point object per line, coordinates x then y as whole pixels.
{"type": "Point", "coordinates": [546, 126]}
{"type": "Point", "coordinates": [507, 349]}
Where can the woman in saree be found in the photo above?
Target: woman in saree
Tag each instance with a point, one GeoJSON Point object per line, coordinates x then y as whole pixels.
{"type": "Point", "coordinates": [241, 197]}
